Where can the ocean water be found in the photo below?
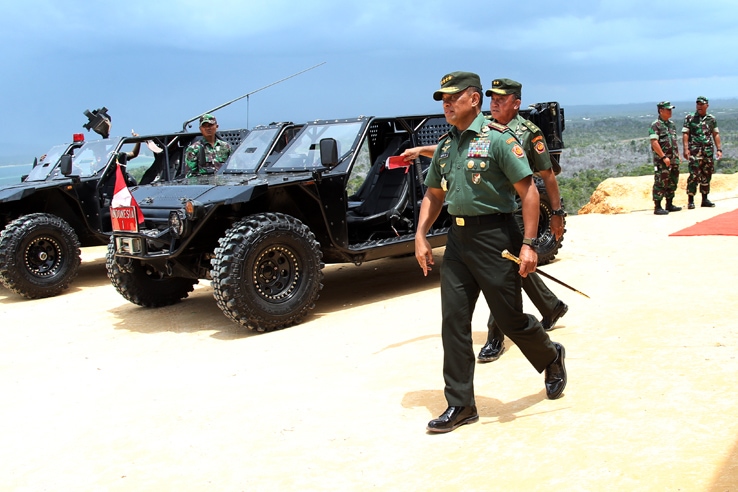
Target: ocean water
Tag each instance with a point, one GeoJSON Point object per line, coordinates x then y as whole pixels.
{"type": "Point", "coordinates": [12, 173]}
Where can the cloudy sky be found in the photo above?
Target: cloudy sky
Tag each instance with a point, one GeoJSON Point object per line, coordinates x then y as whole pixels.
{"type": "Point", "coordinates": [157, 63]}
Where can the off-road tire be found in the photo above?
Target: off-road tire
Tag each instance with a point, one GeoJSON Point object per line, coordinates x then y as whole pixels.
{"type": "Point", "coordinates": [144, 285]}
{"type": "Point", "coordinates": [39, 255]}
{"type": "Point", "coordinates": [267, 272]}
{"type": "Point", "coordinates": [548, 246]}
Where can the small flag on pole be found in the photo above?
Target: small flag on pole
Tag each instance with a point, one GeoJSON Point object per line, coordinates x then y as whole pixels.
{"type": "Point", "coordinates": [124, 211]}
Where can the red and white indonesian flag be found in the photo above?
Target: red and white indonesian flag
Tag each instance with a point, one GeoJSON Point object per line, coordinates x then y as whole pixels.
{"type": "Point", "coordinates": [123, 200]}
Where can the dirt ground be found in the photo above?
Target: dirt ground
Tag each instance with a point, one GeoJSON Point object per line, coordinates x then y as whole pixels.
{"type": "Point", "coordinates": [99, 394]}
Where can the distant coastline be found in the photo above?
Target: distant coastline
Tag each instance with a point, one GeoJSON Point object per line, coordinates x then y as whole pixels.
{"type": "Point", "coordinates": [12, 173]}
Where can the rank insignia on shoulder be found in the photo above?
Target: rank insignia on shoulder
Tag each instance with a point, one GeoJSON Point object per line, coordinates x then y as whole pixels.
{"type": "Point", "coordinates": [518, 151]}
{"type": "Point", "coordinates": [496, 126]}
{"type": "Point", "coordinates": [531, 126]}
{"type": "Point", "coordinates": [510, 140]}
{"type": "Point", "coordinates": [539, 137]}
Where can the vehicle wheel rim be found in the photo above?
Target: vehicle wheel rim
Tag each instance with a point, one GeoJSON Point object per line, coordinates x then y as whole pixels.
{"type": "Point", "coordinates": [276, 274]}
{"type": "Point", "coordinates": [43, 257]}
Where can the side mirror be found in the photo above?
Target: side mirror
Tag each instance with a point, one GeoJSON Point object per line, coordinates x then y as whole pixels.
{"type": "Point", "coordinates": [329, 153]}
{"type": "Point", "coordinates": [65, 165]}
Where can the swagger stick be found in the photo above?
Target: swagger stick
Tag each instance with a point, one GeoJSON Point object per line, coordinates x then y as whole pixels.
{"type": "Point", "coordinates": [512, 257]}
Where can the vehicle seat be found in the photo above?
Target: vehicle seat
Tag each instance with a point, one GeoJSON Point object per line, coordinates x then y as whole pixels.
{"type": "Point", "coordinates": [373, 174]}
{"type": "Point", "coordinates": [388, 193]}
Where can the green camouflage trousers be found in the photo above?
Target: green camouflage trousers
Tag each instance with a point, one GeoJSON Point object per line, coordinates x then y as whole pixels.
{"type": "Point", "coordinates": [665, 179]}
{"type": "Point", "coordinates": [701, 167]}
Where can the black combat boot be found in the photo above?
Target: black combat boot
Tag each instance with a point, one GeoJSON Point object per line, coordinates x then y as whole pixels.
{"type": "Point", "coordinates": [657, 210]}
{"type": "Point", "coordinates": [706, 202]}
{"type": "Point", "coordinates": [670, 207]}
{"type": "Point", "coordinates": [690, 204]}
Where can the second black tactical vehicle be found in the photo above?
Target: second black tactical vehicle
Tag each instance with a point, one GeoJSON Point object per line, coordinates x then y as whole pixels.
{"type": "Point", "coordinates": [64, 204]}
{"type": "Point", "coordinates": [262, 234]}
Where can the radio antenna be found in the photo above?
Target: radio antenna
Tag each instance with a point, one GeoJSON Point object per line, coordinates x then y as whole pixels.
{"type": "Point", "coordinates": [184, 127]}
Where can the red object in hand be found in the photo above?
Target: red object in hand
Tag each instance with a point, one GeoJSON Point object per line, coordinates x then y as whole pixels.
{"type": "Point", "coordinates": [396, 162]}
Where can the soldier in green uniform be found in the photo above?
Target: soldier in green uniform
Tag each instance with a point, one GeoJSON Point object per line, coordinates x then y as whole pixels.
{"type": "Point", "coordinates": [215, 151]}
{"type": "Point", "coordinates": [505, 102]}
{"type": "Point", "coordinates": [477, 168]}
{"type": "Point", "coordinates": [698, 133]}
{"type": "Point", "coordinates": [662, 134]}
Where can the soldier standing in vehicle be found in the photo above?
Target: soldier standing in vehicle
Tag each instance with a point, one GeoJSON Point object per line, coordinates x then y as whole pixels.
{"type": "Point", "coordinates": [477, 168]}
{"type": "Point", "coordinates": [665, 159]}
{"type": "Point", "coordinates": [214, 150]}
{"type": "Point", "coordinates": [698, 133]}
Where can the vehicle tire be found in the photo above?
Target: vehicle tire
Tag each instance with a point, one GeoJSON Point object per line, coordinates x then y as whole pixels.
{"type": "Point", "coordinates": [144, 285]}
{"type": "Point", "coordinates": [548, 246]}
{"type": "Point", "coordinates": [39, 255]}
{"type": "Point", "coordinates": [267, 272]}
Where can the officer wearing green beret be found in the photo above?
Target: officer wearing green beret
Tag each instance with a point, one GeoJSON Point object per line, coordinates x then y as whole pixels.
{"type": "Point", "coordinates": [505, 102]}
{"type": "Point", "coordinates": [214, 150]}
{"type": "Point", "coordinates": [699, 130]}
{"type": "Point", "coordinates": [662, 134]}
{"type": "Point", "coordinates": [477, 169]}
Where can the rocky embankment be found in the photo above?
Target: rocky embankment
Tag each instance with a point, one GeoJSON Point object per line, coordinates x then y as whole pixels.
{"type": "Point", "coordinates": [628, 194]}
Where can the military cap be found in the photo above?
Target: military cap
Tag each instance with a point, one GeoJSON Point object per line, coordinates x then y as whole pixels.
{"type": "Point", "coordinates": [456, 82]}
{"type": "Point", "coordinates": [702, 99]}
{"type": "Point", "coordinates": [665, 105]}
{"type": "Point", "coordinates": [505, 87]}
{"type": "Point", "coordinates": [208, 118]}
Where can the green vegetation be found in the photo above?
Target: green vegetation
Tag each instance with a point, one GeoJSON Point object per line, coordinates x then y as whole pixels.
{"type": "Point", "coordinates": [612, 146]}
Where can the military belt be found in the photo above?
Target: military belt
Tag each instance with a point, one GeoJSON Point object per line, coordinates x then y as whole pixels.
{"type": "Point", "coordinates": [468, 220]}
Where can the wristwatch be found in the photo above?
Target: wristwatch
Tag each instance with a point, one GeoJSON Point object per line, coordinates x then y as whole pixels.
{"type": "Point", "coordinates": [559, 212]}
{"type": "Point", "coordinates": [530, 241]}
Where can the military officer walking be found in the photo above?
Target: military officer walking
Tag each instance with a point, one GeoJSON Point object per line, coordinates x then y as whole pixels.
{"type": "Point", "coordinates": [477, 169]}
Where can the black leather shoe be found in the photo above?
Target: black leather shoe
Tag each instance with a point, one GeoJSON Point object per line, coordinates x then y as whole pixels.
{"type": "Point", "coordinates": [556, 374]}
{"type": "Point", "coordinates": [452, 418]}
{"type": "Point", "coordinates": [491, 351]}
{"type": "Point", "coordinates": [660, 211]}
{"type": "Point", "coordinates": [672, 208]}
{"type": "Point", "coordinates": [549, 321]}
{"type": "Point", "coordinates": [707, 203]}
{"type": "Point", "coordinates": [690, 205]}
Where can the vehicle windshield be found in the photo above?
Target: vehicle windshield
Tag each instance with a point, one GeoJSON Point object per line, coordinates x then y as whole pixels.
{"type": "Point", "coordinates": [93, 157]}
{"type": "Point", "coordinates": [252, 151]}
{"type": "Point", "coordinates": [303, 153]}
{"type": "Point", "coordinates": [44, 167]}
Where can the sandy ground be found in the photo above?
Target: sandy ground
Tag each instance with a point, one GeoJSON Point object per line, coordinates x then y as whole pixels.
{"type": "Point", "coordinates": [99, 394]}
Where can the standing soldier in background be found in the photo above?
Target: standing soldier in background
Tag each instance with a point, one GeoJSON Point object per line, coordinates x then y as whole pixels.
{"type": "Point", "coordinates": [665, 159]}
{"type": "Point", "coordinates": [699, 130]}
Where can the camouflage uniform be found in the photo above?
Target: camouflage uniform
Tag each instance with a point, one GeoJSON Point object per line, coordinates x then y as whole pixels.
{"type": "Point", "coordinates": [215, 155]}
{"type": "Point", "coordinates": [701, 163]}
{"type": "Point", "coordinates": [665, 177]}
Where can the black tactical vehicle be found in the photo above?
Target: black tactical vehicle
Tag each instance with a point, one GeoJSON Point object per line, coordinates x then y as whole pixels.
{"type": "Point", "coordinates": [262, 235]}
{"type": "Point", "coordinates": [64, 203]}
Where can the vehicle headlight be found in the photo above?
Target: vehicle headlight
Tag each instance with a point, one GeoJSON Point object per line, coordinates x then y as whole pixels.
{"type": "Point", "coordinates": [177, 223]}
{"type": "Point", "coordinates": [193, 209]}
